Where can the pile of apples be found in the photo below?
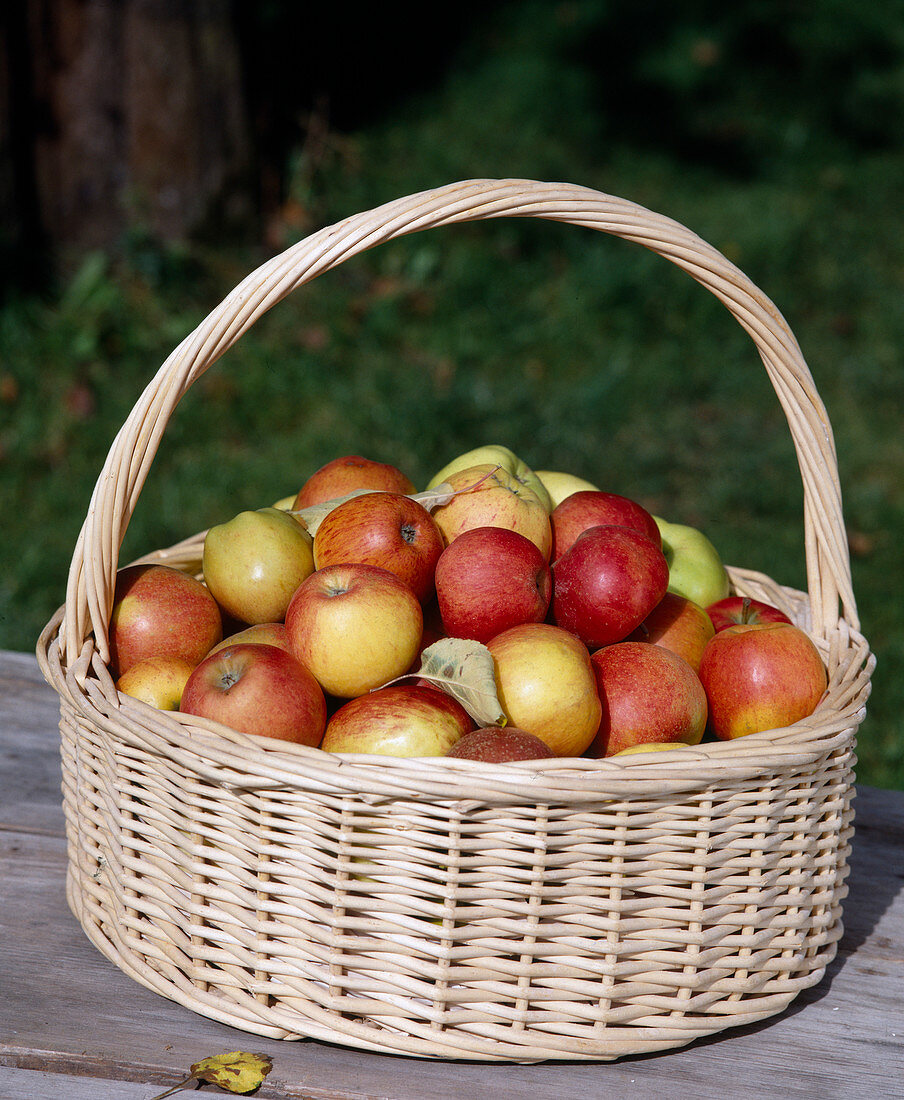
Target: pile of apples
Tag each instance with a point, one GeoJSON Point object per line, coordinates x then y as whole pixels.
{"type": "Point", "coordinates": [567, 621]}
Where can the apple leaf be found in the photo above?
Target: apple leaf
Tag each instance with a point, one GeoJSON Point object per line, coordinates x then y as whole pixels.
{"type": "Point", "coordinates": [236, 1072]}
{"type": "Point", "coordinates": [464, 669]}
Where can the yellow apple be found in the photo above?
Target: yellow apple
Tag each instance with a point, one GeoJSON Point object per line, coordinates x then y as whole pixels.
{"type": "Point", "coordinates": [560, 485]}
{"type": "Point", "coordinates": [254, 563]}
{"type": "Point", "coordinates": [486, 496]}
{"type": "Point", "coordinates": [158, 681]}
{"type": "Point", "coordinates": [496, 455]}
{"type": "Point", "coordinates": [546, 685]}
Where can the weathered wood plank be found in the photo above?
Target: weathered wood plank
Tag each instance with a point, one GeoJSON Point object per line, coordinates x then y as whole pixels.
{"type": "Point", "coordinates": [67, 1013]}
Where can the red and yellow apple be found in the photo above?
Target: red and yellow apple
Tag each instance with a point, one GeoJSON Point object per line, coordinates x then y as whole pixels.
{"type": "Point", "coordinates": [595, 508]}
{"type": "Point", "coordinates": [677, 624]}
{"type": "Point", "coordinates": [398, 720]}
{"type": "Point", "coordinates": [648, 695]}
{"type": "Point", "coordinates": [546, 686]}
{"type": "Point", "coordinates": [258, 690]}
{"type": "Point", "coordinates": [158, 681]}
{"type": "Point", "coordinates": [486, 496]}
{"type": "Point", "coordinates": [495, 454]}
{"type": "Point", "coordinates": [258, 634]}
{"type": "Point", "coordinates": [606, 584]}
{"type": "Point", "coordinates": [743, 609]}
{"type": "Point", "coordinates": [344, 475]}
{"type": "Point", "coordinates": [386, 529]}
{"type": "Point", "coordinates": [760, 676]}
{"type": "Point", "coordinates": [488, 579]}
{"type": "Point", "coordinates": [159, 611]}
{"type": "Point", "coordinates": [253, 563]}
{"type": "Point", "coordinates": [500, 745]}
{"type": "Point", "coordinates": [355, 626]}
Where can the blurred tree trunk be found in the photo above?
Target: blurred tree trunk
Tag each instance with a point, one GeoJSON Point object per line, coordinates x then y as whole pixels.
{"type": "Point", "coordinates": [117, 114]}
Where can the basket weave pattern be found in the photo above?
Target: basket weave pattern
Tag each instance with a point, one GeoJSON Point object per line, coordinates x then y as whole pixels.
{"type": "Point", "coordinates": [565, 909]}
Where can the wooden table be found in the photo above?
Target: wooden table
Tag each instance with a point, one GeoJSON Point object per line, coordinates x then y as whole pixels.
{"type": "Point", "coordinates": [72, 1025]}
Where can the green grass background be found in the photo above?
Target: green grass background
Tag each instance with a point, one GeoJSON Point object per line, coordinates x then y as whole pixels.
{"type": "Point", "coordinates": [580, 352]}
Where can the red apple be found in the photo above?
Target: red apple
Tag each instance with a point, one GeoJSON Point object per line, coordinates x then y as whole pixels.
{"type": "Point", "coordinates": [158, 681]}
{"type": "Point", "coordinates": [398, 720]}
{"type": "Point", "coordinates": [346, 474]}
{"type": "Point", "coordinates": [648, 695]}
{"type": "Point", "coordinates": [760, 676]}
{"type": "Point", "coordinates": [595, 508]}
{"type": "Point", "coordinates": [678, 624]}
{"type": "Point", "coordinates": [258, 634]}
{"type": "Point", "coordinates": [607, 583]}
{"type": "Point", "coordinates": [488, 579]}
{"type": "Point", "coordinates": [742, 609]}
{"type": "Point", "coordinates": [489, 496]}
{"type": "Point", "coordinates": [355, 626]}
{"type": "Point", "coordinates": [545, 685]}
{"type": "Point", "coordinates": [259, 690]}
{"type": "Point", "coordinates": [500, 745]}
{"type": "Point", "coordinates": [159, 611]}
{"type": "Point", "coordinates": [386, 529]}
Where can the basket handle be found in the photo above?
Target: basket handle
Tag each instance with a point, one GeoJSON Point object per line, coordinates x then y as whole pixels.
{"type": "Point", "coordinates": [94, 563]}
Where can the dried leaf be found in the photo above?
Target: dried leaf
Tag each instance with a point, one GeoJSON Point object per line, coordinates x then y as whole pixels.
{"type": "Point", "coordinates": [236, 1072]}
{"type": "Point", "coordinates": [464, 669]}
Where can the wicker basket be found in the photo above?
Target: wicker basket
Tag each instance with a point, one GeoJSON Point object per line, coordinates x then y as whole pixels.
{"type": "Point", "coordinates": [571, 909]}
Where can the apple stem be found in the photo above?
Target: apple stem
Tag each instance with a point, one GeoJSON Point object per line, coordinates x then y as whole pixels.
{"type": "Point", "coordinates": [745, 610]}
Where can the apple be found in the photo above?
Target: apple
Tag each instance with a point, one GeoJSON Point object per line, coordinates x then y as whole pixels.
{"type": "Point", "coordinates": [546, 686]}
{"type": "Point", "coordinates": [253, 563]}
{"type": "Point", "coordinates": [398, 720]}
{"type": "Point", "coordinates": [494, 454]}
{"type": "Point", "coordinates": [678, 624]}
{"type": "Point", "coordinates": [607, 583]}
{"type": "Point", "coordinates": [488, 579]}
{"type": "Point", "coordinates": [760, 676]}
{"type": "Point", "coordinates": [258, 634]}
{"type": "Point", "coordinates": [258, 690]}
{"type": "Point", "coordinates": [561, 485]}
{"type": "Point", "coordinates": [489, 497]}
{"type": "Point", "coordinates": [743, 609]}
{"type": "Point", "coordinates": [595, 508]}
{"type": "Point", "coordinates": [648, 694]}
{"type": "Point", "coordinates": [344, 475]}
{"type": "Point", "coordinates": [355, 626]}
{"type": "Point", "coordinates": [159, 611]}
{"type": "Point", "coordinates": [158, 681]}
{"type": "Point", "coordinates": [386, 529]}
{"type": "Point", "coordinates": [651, 746]}
{"type": "Point", "coordinates": [500, 745]}
{"type": "Point", "coordinates": [695, 568]}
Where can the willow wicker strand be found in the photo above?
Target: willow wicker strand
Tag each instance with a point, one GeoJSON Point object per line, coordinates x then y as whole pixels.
{"type": "Point", "coordinates": [551, 909]}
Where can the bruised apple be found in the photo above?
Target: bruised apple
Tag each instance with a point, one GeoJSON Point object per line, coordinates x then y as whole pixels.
{"type": "Point", "coordinates": [386, 529]}
{"type": "Point", "coordinates": [258, 690]}
{"type": "Point", "coordinates": [760, 676]}
{"type": "Point", "coordinates": [398, 720]}
{"type": "Point", "coordinates": [159, 611]}
{"type": "Point", "coordinates": [545, 685]}
{"type": "Point", "coordinates": [344, 475]}
{"type": "Point", "coordinates": [500, 745]}
{"type": "Point", "coordinates": [648, 695]}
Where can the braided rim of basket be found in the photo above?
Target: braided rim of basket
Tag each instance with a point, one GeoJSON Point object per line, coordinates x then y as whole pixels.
{"type": "Point", "coordinates": [85, 615]}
